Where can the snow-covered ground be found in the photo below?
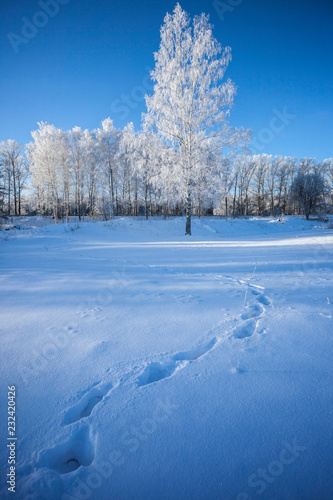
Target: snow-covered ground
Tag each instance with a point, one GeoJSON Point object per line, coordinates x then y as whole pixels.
{"type": "Point", "coordinates": [150, 365]}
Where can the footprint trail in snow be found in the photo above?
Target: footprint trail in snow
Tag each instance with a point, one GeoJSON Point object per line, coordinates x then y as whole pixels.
{"type": "Point", "coordinates": [156, 371]}
{"type": "Point", "coordinates": [78, 450]}
{"type": "Point", "coordinates": [252, 315]}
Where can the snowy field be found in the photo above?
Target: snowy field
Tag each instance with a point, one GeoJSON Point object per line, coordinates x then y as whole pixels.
{"type": "Point", "coordinates": [149, 365]}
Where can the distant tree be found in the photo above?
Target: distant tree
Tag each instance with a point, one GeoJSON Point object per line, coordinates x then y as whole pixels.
{"type": "Point", "coordinates": [272, 174]}
{"type": "Point", "coordinates": [148, 148]}
{"type": "Point", "coordinates": [77, 161]}
{"type": "Point", "coordinates": [307, 190]}
{"type": "Point", "coordinates": [92, 174]}
{"type": "Point", "coordinates": [244, 168]}
{"type": "Point", "coordinates": [328, 169]}
{"type": "Point", "coordinates": [127, 174]}
{"type": "Point", "coordinates": [65, 174]}
{"type": "Point", "coordinates": [108, 138]}
{"type": "Point", "coordinates": [307, 165]}
{"type": "Point", "coordinates": [45, 155]}
{"type": "Point", "coordinates": [190, 104]}
{"type": "Point", "coordinates": [261, 168]}
{"type": "Point", "coordinates": [22, 175]}
{"type": "Point", "coordinates": [206, 179]}
{"type": "Point", "coordinates": [14, 172]}
{"type": "Point", "coordinates": [284, 178]}
{"type": "Point", "coordinates": [2, 188]}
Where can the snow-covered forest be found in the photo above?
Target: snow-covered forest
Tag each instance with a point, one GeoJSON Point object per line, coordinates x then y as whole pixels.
{"type": "Point", "coordinates": [109, 172]}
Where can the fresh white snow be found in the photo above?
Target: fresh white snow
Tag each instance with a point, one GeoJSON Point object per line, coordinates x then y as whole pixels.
{"type": "Point", "coordinates": [150, 365]}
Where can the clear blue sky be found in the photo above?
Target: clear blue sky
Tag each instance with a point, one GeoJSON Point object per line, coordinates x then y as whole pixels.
{"type": "Point", "coordinates": [78, 67]}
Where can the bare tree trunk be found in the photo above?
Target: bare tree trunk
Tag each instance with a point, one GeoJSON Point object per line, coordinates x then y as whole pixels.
{"type": "Point", "coordinates": [67, 205]}
{"type": "Point", "coordinates": [188, 214]}
{"type": "Point", "coordinates": [146, 201]}
{"type": "Point", "coordinates": [129, 208]}
{"type": "Point", "coordinates": [8, 192]}
{"type": "Point", "coordinates": [55, 207]}
{"type": "Point", "coordinates": [14, 188]}
{"type": "Point", "coordinates": [111, 194]}
{"type": "Point", "coordinates": [136, 198]}
{"type": "Point", "coordinates": [150, 203]}
{"type": "Point", "coordinates": [234, 198]}
{"type": "Point", "coordinates": [279, 198]}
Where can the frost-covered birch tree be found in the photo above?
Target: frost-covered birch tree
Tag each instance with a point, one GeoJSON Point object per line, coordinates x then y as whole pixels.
{"type": "Point", "coordinates": [108, 139]}
{"type": "Point", "coordinates": [45, 156]}
{"type": "Point", "coordinates": [91, 162]}
{"type": "Point", "coordinates": [190, 104]}
{"type": "Point", "coordinates": [261, 167]}
{"type": "Point", "coordinates": [147, 163]}
{"type": "Point", "coordinates": [127, 158]}
{"type": "Point", "coordinates": [77, 155]}
{"type": "Point", "coordinates": [308, 189]}
{"type": "Point", "coordinates": [328, 168]}
{"type": "Point", "coordinates": [14, 172]}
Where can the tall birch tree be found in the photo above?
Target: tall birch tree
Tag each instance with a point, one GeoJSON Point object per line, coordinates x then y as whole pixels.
{"type": "Point", "coordinates": [190, 104]}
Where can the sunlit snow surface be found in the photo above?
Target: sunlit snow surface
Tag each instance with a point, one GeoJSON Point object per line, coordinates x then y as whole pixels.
{"type": "Point", "coordinates": [153, 365]}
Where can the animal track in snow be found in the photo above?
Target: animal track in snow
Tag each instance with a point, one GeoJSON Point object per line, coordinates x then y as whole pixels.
{"type": "Point", "coordinates": [67, 457]}
{"type": "Point", "coordinates": [86, 404]}
{"type": "Point", "coordinates": [158, 371]}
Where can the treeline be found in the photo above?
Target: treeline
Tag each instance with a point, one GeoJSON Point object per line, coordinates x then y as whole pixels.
{"type": "Point", "coordinates": [272, 185]}
{"type": "Point", "coordinates": [110, 172]}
